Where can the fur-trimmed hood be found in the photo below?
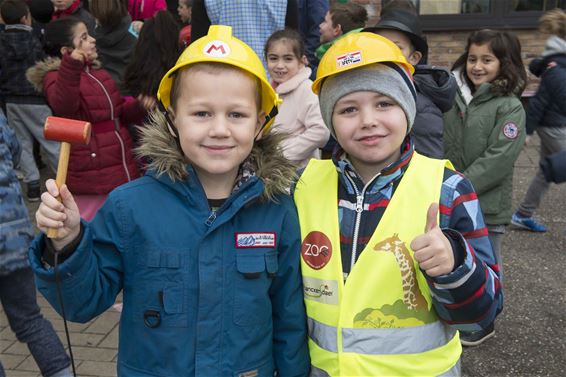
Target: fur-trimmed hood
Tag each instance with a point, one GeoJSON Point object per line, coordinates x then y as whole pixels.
{"type": "Point", "coordinates": [164, 156]}
{"type": "Point", "coordinates": [37, 73]}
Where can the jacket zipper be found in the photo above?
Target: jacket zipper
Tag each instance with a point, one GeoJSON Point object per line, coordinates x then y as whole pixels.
{"type": "Point", "coordinates": [359, 210]}
{"type": "Point", "coordinates": [214, 214]}
{"type": "Point", "coordinates": [122, 146]}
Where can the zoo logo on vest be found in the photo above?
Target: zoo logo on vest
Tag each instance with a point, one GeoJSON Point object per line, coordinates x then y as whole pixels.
{"type": "Point", "coordinates": [316, 250]}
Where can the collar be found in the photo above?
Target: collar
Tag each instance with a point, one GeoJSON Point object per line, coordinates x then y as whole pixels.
{"type": "Point", "coordinates": [386, 175]}
{"type": "Point", "coordinates": [293, 83]}
{"type": "Point", "coordinates": [321, 50]}
{"type": "Point", "coordinates": [66, 12]}
{"type": "Point", "coordinates": [18, 27]}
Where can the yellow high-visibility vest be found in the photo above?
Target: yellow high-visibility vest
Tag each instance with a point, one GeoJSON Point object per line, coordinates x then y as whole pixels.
{"type": "Point", "coordinates": [380, 322]}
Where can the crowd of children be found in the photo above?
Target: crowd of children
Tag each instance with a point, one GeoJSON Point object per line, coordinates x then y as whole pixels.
{"type": "Point", "coordinates": [238, 250]}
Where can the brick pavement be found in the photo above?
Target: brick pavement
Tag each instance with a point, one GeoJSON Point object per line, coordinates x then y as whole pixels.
{"type": "Point", "coordinates": [95, 343]}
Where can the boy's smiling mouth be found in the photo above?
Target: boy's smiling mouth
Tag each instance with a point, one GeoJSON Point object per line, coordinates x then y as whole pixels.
{"type": "Point", "coordinates": [218, 148]}
{"type": "Point", "coordinates": [371, 139]}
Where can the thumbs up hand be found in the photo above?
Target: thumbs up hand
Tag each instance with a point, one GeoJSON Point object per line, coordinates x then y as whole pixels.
{"type": "Point", "coordinates": [433, 250]}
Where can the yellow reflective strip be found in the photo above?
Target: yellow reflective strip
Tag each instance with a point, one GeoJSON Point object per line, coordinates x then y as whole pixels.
{"type": "Point", "coordinates": [324, 336]}
{"type": "Point", "coordinates": [397, 341]}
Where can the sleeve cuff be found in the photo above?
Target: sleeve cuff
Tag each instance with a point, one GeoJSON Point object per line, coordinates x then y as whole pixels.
{"type": "Point", "coordinates": [49, 252]}
{"type": "Point", "coordinates": [458, 246]}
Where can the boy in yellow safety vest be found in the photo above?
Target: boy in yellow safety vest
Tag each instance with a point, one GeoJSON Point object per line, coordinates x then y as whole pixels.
{"type": "Point", "coordinates": [404, 261]}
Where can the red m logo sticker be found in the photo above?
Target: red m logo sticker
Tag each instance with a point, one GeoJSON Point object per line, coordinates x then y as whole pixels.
{"type": "Point", "coordinates": [216, 48]}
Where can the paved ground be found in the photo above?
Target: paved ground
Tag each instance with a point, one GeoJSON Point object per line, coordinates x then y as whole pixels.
{"type": "Point", "coordinates": [530, 333]}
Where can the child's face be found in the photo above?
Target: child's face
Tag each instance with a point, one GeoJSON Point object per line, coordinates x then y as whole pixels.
{"type": "Point", "coordinates": [217, 117]}
{"type": "Point", "coordinates": [328, 31]}
{"type": "Point", "coordinates": [370, 127]}
{"type": "Point", "coordinates": [482, 65]}
{"type": "Point", "coordinates": [184, 11]}
{"type": "Point", "coordinates": [403, 42]}
{"type": "Point", "coordinates": [84, 42]}
{"type": "Point", "coordinates": [62, 4]}
{"type": "Point", "coordinates": [282, 63]}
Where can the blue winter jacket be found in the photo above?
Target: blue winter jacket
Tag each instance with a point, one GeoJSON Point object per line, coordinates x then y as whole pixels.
{"type": "Point", "coordinates": [16, 231]}
{"type": "Point", "coordinates": [205, 293]}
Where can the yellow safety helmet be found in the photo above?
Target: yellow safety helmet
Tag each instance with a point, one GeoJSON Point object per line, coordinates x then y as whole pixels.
{"type": "Point", "coordinates": [358, 50]}
{"type": "Point", "coordinates": [219, 46]}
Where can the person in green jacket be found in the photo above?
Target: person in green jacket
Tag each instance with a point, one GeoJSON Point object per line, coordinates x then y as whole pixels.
{"type": "Point", "coordinates": [485, 131]}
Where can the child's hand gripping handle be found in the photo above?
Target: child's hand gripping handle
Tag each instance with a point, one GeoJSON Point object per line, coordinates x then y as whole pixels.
{"type": "Point", "coordinates": [66, 131]}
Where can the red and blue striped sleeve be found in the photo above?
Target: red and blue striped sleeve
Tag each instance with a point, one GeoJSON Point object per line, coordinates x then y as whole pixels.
{"type": "Point", "coordinates": [470, 297]}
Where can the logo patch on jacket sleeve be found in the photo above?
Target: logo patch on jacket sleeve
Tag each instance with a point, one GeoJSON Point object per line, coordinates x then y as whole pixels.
{"type": "Point", "coordinates": [510, 130]}
{"type": "Point", "coordinates": [251, 239]}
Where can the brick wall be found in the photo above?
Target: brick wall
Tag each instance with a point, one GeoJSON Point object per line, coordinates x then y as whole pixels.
{"type": "Point", "coordinates": [445, 47]}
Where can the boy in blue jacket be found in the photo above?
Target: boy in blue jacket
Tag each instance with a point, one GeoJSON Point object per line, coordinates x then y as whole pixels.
{"type": "Point", "coordinates": [206, 246]}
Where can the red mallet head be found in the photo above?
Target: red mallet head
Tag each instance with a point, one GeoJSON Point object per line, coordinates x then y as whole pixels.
{"type": "Point", "coordinates": [68, 130]}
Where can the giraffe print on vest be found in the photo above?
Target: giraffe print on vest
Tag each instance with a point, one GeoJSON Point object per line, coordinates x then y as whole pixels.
{"type": "Point", "coordinates": [412, 296]}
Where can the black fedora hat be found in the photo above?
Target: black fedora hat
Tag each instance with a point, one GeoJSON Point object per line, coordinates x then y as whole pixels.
{"type": "Point", "coordinates": [408, 23]}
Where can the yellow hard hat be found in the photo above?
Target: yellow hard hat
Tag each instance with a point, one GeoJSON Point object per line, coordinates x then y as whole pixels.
{"type": "Point", "coordinates": [357, 50]}
{"type": "Point", "coordinates": [219, 46]}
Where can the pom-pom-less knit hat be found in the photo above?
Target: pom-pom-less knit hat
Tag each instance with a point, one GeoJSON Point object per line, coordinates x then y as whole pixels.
{"type": "Point", "coordinates": [388, 79]}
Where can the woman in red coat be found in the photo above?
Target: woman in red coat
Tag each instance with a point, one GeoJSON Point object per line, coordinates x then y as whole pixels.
{"type": "Point", "coordinates": [76, 87]}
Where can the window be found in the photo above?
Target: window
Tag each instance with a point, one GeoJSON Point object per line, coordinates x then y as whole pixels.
{"type": "Point", "coordinates": [475, 14]}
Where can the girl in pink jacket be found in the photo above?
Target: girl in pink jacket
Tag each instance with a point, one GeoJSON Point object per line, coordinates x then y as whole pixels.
{"type": "Point", "coordinates": [299, 114]}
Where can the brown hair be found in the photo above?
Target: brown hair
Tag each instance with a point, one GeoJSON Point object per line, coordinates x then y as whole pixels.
{"type": "Point", "coordinates": [349, 16]}
{"type": "Point", "coordinates": [212, 68]}
{"type": "Point", "coordinates": [512, 77]}
{"type": "Point", "coordinates": [553, 22]}
{"type": "Point", "coordinates": [292, 36]}
{"type": "Point", "coordinates": [109, 12]}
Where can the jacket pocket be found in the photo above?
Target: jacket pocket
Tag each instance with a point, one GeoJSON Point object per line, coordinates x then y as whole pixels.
{"type": "Point", "coordinates": [159, 298]}
{"type": "Point", "coordinates": [255, 270]}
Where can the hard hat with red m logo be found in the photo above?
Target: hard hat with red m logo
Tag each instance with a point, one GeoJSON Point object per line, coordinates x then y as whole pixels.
{"type": "Point", "coordinates": [219, 46]}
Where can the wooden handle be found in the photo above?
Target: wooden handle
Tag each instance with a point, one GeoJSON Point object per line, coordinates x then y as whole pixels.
{"type": "Point", "coordinates": [61, 177]}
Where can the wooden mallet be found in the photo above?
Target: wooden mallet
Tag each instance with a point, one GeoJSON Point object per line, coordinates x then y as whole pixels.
{"type": "Point", "coordinates": [66, 131]}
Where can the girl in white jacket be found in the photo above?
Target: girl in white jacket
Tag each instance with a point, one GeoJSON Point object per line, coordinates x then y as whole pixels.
{"type": "Point", "coordinates": [299, 115]}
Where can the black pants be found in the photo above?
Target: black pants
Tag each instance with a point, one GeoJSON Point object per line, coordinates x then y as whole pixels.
{"type": "Point", "coordinates": [18, 296]}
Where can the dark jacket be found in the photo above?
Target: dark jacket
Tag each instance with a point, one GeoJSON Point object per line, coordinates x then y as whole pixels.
{"type": "Point", "coordinates": [78, 91]}
{"type": "Point", "coordinates": [554, 167]}
{"type": "Point", "coordinates": [226, 307]}
{"type": "Point", "coordinates": [548, 107]}
{"type": "Point", "coordinates": [16, 231]}
{"type": "Point", "coordinates": [115, 47]}
{"type": "Point", "coordinates": [436, 89]}
{"type": "Point", "coordinates": [20, 50]}
{"type": "Point", "coordinates": [311, 15]}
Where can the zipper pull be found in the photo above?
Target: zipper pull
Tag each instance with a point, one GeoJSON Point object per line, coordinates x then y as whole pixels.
{"type": "Point", "coordinates": [359, 203]}
{"type": "Point", "coordinates": [211, 218]}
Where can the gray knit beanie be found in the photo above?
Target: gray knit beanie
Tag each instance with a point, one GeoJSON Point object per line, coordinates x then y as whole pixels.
{"type": "Point", "coordinates": [386, 78]}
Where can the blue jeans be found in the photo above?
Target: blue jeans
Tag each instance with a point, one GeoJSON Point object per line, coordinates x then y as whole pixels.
{"type": "Point", "coordinates": [18, 296]}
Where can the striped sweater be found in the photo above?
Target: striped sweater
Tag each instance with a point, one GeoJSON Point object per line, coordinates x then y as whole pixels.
{"type": "Point", "coordinates": [470, 297]}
